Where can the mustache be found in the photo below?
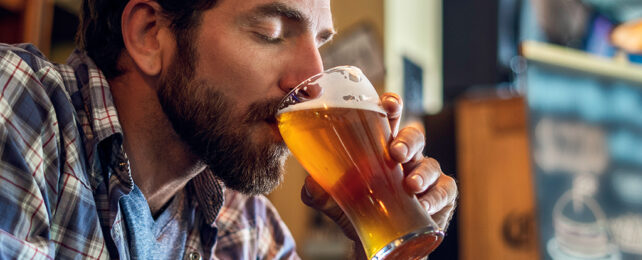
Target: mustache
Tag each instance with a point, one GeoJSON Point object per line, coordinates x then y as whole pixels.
{"type": "Point", "coordinates": [263, 110]}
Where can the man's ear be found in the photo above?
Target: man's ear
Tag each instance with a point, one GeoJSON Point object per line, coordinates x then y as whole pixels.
{"type": "Point", "coordinates": [142, 25]}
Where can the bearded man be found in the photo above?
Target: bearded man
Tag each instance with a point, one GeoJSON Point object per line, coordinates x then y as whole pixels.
{"type": "Point", "coordinates": [157, 139]}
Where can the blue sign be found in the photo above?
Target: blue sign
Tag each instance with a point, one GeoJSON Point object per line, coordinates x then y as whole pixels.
{"type": "Point", "coordinates": [586, 146]}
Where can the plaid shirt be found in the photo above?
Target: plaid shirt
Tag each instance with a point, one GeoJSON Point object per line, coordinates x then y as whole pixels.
{"type": "Point", "coordinates": [63, 170]}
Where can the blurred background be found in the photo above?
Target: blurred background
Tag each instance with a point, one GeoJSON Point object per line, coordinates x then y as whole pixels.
{"type": "Point", "coordinates": [534, 106]}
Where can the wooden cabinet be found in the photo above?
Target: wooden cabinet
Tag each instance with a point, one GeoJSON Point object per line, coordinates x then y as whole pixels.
{"type": "Point", "coordinates": [497, 212]}
{"type": "Point", "coordinates": [27, 21]}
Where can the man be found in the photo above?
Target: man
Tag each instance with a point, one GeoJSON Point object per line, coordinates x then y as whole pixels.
{"type": "Point", "coordinates": [158, 137]}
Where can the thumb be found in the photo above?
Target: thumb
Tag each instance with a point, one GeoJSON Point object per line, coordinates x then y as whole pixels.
{"type": "Point", "coordinates": [393, 106]}
{"type": "Point", "coordinates": [313, 195]}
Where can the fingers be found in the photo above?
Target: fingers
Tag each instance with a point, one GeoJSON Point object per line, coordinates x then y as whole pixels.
{"type": "Point", "coordinates": [393, 106]}
{"type": "Point", "coordinates": [440, 195]}
{"type": "Point", "coordinates": [443, 217]}
{"type": "Point", "coordinates": [422, 176]}
{"type": "Point", "coordinates": [313, 195]}
{"type": "Point", "coordinates": [408, 145]}
{"type": "Point", "coordinates": [436, 191]}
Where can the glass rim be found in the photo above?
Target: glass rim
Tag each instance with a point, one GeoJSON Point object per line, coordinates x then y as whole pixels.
{"type": "Point", "coordinates": [307, 80]}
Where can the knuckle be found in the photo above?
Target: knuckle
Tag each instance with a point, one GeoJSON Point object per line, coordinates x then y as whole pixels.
{"type": "Point", "coordinates": [439, 199]}
{"type": "Point", "coordinates": [422, 171]}
{"type": "Point", "coordinates": [441, 194]}
{"type": "Point", "coordinates": [432, 161]}
{"type": "Point", "coordinates": [426, 166]}
{"type": "Point", "coordinates": [428, 170]}
{"type": "Point", "coordinates": [450, 188]}
{"type": "Point", "coordinates": [414, 133]}
{"type": "Point", "coordinates": [450, 182]}
{"type": "Point", "coordinates": [419, 155]}
{"type": "Point", "coordinates": [412, 137]}
{"type": "Point", "coordinates": [433, 164]}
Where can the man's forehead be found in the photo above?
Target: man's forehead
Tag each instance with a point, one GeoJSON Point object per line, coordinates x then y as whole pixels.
{"type": "Point", "coordinates": [308, 6]}
{"type": "Point", "coordinates": [316, 12]}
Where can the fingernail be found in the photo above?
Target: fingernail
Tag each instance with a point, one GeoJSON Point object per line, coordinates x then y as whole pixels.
{"type": "Point", "coordinates": [418, 180]}
{"type": "Point", "coordinates": [392, 99]}
{"type": "Point", "coordinates": [307, 193]}
{"type": "Point", "coordinates": [401, 148]}
{"type": "Point", "coordinates": [426, 205]}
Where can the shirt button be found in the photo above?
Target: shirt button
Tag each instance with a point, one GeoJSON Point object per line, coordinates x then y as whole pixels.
{"type": "Point", "coordinates": [194, 256]}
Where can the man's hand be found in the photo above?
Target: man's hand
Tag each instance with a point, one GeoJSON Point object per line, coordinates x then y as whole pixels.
{"type": "Point", "coordinates": [435, 190]}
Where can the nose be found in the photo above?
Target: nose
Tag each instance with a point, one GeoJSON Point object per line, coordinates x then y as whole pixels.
{"type": "Point", "coordinates": [305, 62]}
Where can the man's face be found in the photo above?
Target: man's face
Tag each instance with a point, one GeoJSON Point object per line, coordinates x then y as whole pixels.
{"type": "Point", "coordinates": [221, 93]}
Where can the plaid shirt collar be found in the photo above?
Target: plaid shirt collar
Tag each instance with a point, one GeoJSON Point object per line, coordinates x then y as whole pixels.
{"type": "Point", "coordinates": [103, 136]}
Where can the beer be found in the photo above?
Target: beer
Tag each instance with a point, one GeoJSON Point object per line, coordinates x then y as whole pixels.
{"type": "Point", "coordinates": [346, 151]}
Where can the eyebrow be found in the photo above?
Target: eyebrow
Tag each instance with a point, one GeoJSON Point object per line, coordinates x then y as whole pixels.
{"type": "Point", "coordinates": [282, 10]}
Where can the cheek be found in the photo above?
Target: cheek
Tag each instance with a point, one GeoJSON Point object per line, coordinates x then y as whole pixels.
{"type": "Point", "coordinates": [237, 65]}
{"type": "Point", "coordinates": [240, 86]}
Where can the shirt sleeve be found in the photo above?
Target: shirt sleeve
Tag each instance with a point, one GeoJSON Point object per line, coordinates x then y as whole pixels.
{"type": "Point", "coordinates": [47, 208]}
{"type": "Point", "coordinates": [24, 197]}
{"type": "Point", "coordinates": [251, 228]}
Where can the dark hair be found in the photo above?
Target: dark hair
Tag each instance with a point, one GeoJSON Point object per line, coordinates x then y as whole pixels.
{"type": "Point", "coordinates": [100, 35]}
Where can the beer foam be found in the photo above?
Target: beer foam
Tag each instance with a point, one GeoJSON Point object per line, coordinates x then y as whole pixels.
{"type": "Point", "coordinates": [355, 92]}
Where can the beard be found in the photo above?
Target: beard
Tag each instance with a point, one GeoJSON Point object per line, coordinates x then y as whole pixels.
{"type": "Point", "coordinates": [205, 119]}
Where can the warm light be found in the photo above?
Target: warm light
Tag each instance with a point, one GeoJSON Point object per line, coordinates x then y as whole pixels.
{"type": "Point", "coordinates": [383, 207]}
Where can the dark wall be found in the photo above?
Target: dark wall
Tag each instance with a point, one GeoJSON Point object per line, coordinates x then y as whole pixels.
{"type": "Point", "coordinates": [440, 144]}
{"type": "Point", "coordinates": [469, 44]}
{"type": "Point", "coordinates": [11, 29]}
{"type": "Point", "coordinates": [469, 59]}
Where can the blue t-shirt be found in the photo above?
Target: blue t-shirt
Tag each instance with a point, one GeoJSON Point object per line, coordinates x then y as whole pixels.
{"type": "Point", "coordinates": [160, 238]}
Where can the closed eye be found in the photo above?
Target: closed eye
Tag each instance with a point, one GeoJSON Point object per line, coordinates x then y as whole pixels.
{"type": "Point", "coordinates": [268, 39]}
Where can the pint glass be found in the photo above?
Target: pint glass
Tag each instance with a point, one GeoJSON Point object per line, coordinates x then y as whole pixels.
{"type": "Point", "coordinates": [335, 126]}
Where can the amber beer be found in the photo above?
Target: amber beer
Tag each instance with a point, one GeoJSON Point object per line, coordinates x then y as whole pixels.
{"type": "Point", "coordinates": [346, 151]}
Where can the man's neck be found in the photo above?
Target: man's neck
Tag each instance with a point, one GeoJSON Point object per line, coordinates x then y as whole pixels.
{"type": "Point", "coordinates": [161, 164]}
